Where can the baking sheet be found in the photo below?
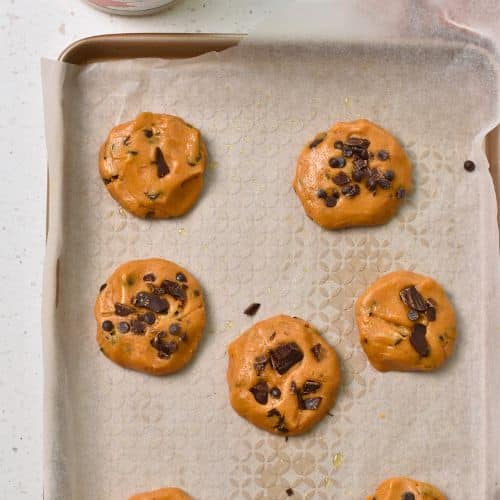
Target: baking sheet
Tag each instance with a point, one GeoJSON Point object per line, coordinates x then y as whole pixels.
{"type": "Point", "coordinates": [110, 432]}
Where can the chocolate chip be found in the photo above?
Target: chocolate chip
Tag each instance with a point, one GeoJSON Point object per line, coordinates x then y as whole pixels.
{"type": "Point", "coordinates": [285, 356]}
{"type": "Point", "coordinates": [175, 329]}
{"type": "Point", "coordinates": [106, 181]}
{"type": "Point", "coordinates": [408, 495]}
{"type": "Point", "coordinates": [162, 167]}
{"type": "Point", "coordinates": [107, 325]}
{"type": "Point", "coordinates": [337, 162]}
{"type": "Point", "coordinates": [102, 287]}
{"type": "Point", "coordinates": [151, 301]}
{"type": "Point", "coordinates": [413, 315]}
{"type": "Point", "coordinates": [311, 403]}
{"type": "Point", "coordinates": [389, 175]}
{"type": "Point", "coordinates": [126, 141]}
{"type": "Point", "coordinates": [148, 133]}
{"type": "Point", "coordinates": [317, 141]}
{"type": "Point", "coordinates": [384, 183]}
{"type": "Point", "coordinates": [383, 155]}
{"type": "Point", "coordinates": [358, 141]}
{"type": "Point", "coordinates": [181, 277]}
{"type": "Point", "coordinates": [123, 327]}
{"type": "Point", "coordinates": [418, 340]}
{"type": "Point", "coordinates": [371, 183]}
{"type": "Point", "coordinates": [165, 349]}
{"type": "Point", "coordinates": [289, 492]}
{"type": "Point", "coordinates": [400, 193]}
{"type": "Point", "coordinates": [357, 175]}
{"type": "Point", "coordinates": [149, 277]}
{"type": "Point", "coordinates": [430, 313]}
{"type": "Point", "coordinates": [413, 299]}
{"type": "Point", "coordinates": [321, 193]}
{"type": "Point", "coordinates": [347, 152]}
{"type": "Point", "coordinates": [252, 309]}
{"type": "Point", "coordinates": [316, 350]}
{"type": "Point", "coordinates": [351, 190]}
{"type": "Point", "coordinates": [148, 318]}
{"type": "Point", "coordinates": [310, 386]}
{"type": "Point", "coordinates": [260, 364]}
{"type": "Point", "coordinates": [273, 412]}
{"type": "Point", "coordinates": [137, 326]}
{"type": "Point", "coordinates": [469, 166]}
{"type": "Point", "coordinates": [281, 427]}
{"type": "Point", "coordinates": [275, 393]}
{"type": "Point", "coordinates": [123, 309]}
{"type": "Point", "coordinates": [260, 392]}
{"type": "Point", "coordinates": [330, 201]}
{"type": "Point", "coordinates": [338, 145]}
{"type": "Point", "coordinates": [174, 289]}
{"type": "Point", "coordinates": [341, 179]}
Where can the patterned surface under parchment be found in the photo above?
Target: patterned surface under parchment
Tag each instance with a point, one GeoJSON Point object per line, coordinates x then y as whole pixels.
{"type": "Point", "coordinates": [247, 240]}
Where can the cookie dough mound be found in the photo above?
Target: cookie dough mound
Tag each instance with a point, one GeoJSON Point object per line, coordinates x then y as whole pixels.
{"type": "Point", "coordinates": [153, 165]}
{"type": "Point", "coordinates": [406, 323]}
{"type": "Point", "coordinates": [150, 316]}
{"type": "Point", "coordinates": [356, 174]}
{"type": "Point", "coordinates": [282, 375]}
{"type": "Point", "coordinates": [403, 488]}
{"type": "Point", "coordinates": [162, 494]}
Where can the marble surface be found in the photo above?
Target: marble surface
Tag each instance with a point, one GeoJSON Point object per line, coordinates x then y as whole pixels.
{"type": "Point", "coordinates": [30, 30]}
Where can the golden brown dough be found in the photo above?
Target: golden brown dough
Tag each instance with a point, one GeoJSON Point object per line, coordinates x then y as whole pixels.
{"type": "Point", "coordinates": [406, 323]}
{"type": "Point", "coordinates": [282, 375]}
{"type": "Point", "coordinates": [150, 316]}
{"type": "Point", "coordinates": [162, 494]}
{"type": "Point", "coordinates": [153, 165]}
{"type": "Point", "coordinates": [356, 174]}
{"type": "Point", "coordinates": [403, 488]}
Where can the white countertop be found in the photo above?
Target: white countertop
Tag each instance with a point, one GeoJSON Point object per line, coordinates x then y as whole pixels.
{"type": "Point", "coordinates": [29, 30]}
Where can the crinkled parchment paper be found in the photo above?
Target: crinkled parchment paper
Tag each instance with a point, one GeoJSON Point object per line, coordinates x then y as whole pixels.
{"type": "Point", "coordinates": [110, 432]}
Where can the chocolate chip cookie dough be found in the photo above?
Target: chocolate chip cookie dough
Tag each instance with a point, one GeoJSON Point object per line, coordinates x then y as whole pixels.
{"type": "Point", "coordinates": [150, 316]}
{"type": "Point", "coordinates": [403, 488]}
{"type": "Point", "coordinates": [153, 165]}
{"type": "Point", "coordinates": [282, 375]}
{"type": "Point", "coordinates": [162, 494]}
{"type": "Point", "coordinates": [406, 323]}
{"type": "Point", "coordinates": [356, 174]}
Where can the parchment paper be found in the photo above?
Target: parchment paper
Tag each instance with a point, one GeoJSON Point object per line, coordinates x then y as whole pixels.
{"type": "Point", "coordinates": [110, 432]}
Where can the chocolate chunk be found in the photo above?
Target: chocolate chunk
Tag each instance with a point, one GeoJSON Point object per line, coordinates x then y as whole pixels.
{"type": "Point", "coordinates": [252, 309]}
{"type": "Point", "coordinates": [400, 193]}
{"type": "Point", "coordinates": [341, 179]}
{"type": "Point", "coordinates": [337, 162]}
{"type": "Point", "coordinates": [285, 356]}
{"type": "Point", "coordinates": [430, 313]}
{"type": "Point", "coordinates": [310, 386]}
{"type": "Point", "coordinates": [148, 133]}
{"type": "Point", "coordinates": [384, 183]}
{"type": "Point", "coordinates": [102, 287]}
{"type": "Point", "coordinates": [181, 277]}
{"type": "Point", "coordinates": [469, 165]}
{"type": "Point", "coordinates": [260, 392]}
{"type": "Point", "coordinates": [371, 183]}
{"type": "Point", "coordinates": [165, 349]}
{"type": "Point", "coordinates": [107, 325]}
{"type": "Point", "coordinates": [413, 315]}
{"type": "Point", "coordinates": [174, 290]}
{"type": "Point", "coordinates": [316, 350]}
{"type": "Point", "coordinates": [389, 175]}
{"type": "Point", "coordinates": [275, 393]}
{"type": "Point", "coordinates": [148, 318]}
{"type": "Point", "coordinates": [412, 298]}
{"type": "Point", "coordinates": [347, 152]}
{"type": "Point", "coordinates": [149, 277]}
{"type": "Point", "coordinates": [123, 309]}
{"type": "Point", "coordinates": [408, 495]}
{"type": "Point", "coordinates": [260, 364]}
{"type": "Point", "coordinates": [351, 190]}
{"type": "Point", "coordinates": [162, 167]}
{"type": "Point", "coordinates": [317, 141]}
{"type": "Point", "coordinates": [175, 329]}
{"type": "Point", "coordinates": [151, 301]}
{"type": "Point", "coordinates": [311, 403]}
{"type": "Point", "coordinates": [418, 340]}
{"type": "Point", "coordinates": [383, 155]}
{"type": "Point", "coordinates": [137, 326]}
{"type": "Point", "coordinates": [357, 175]}
{"type": "Point", "coordinates": [321, 193]}
{"type": "Point", "coordinates": [358, 141]}
{"type": "Point", "coordinates": [289, 492]}
{"type": "Point", "coordinates": [338, 145]}
{"type": "Point", "coordinates": [330, 201]}
{"type": "Point", "coordinates": [123, 327]}
{"type": "Point", "coordinates": [273, 412]}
